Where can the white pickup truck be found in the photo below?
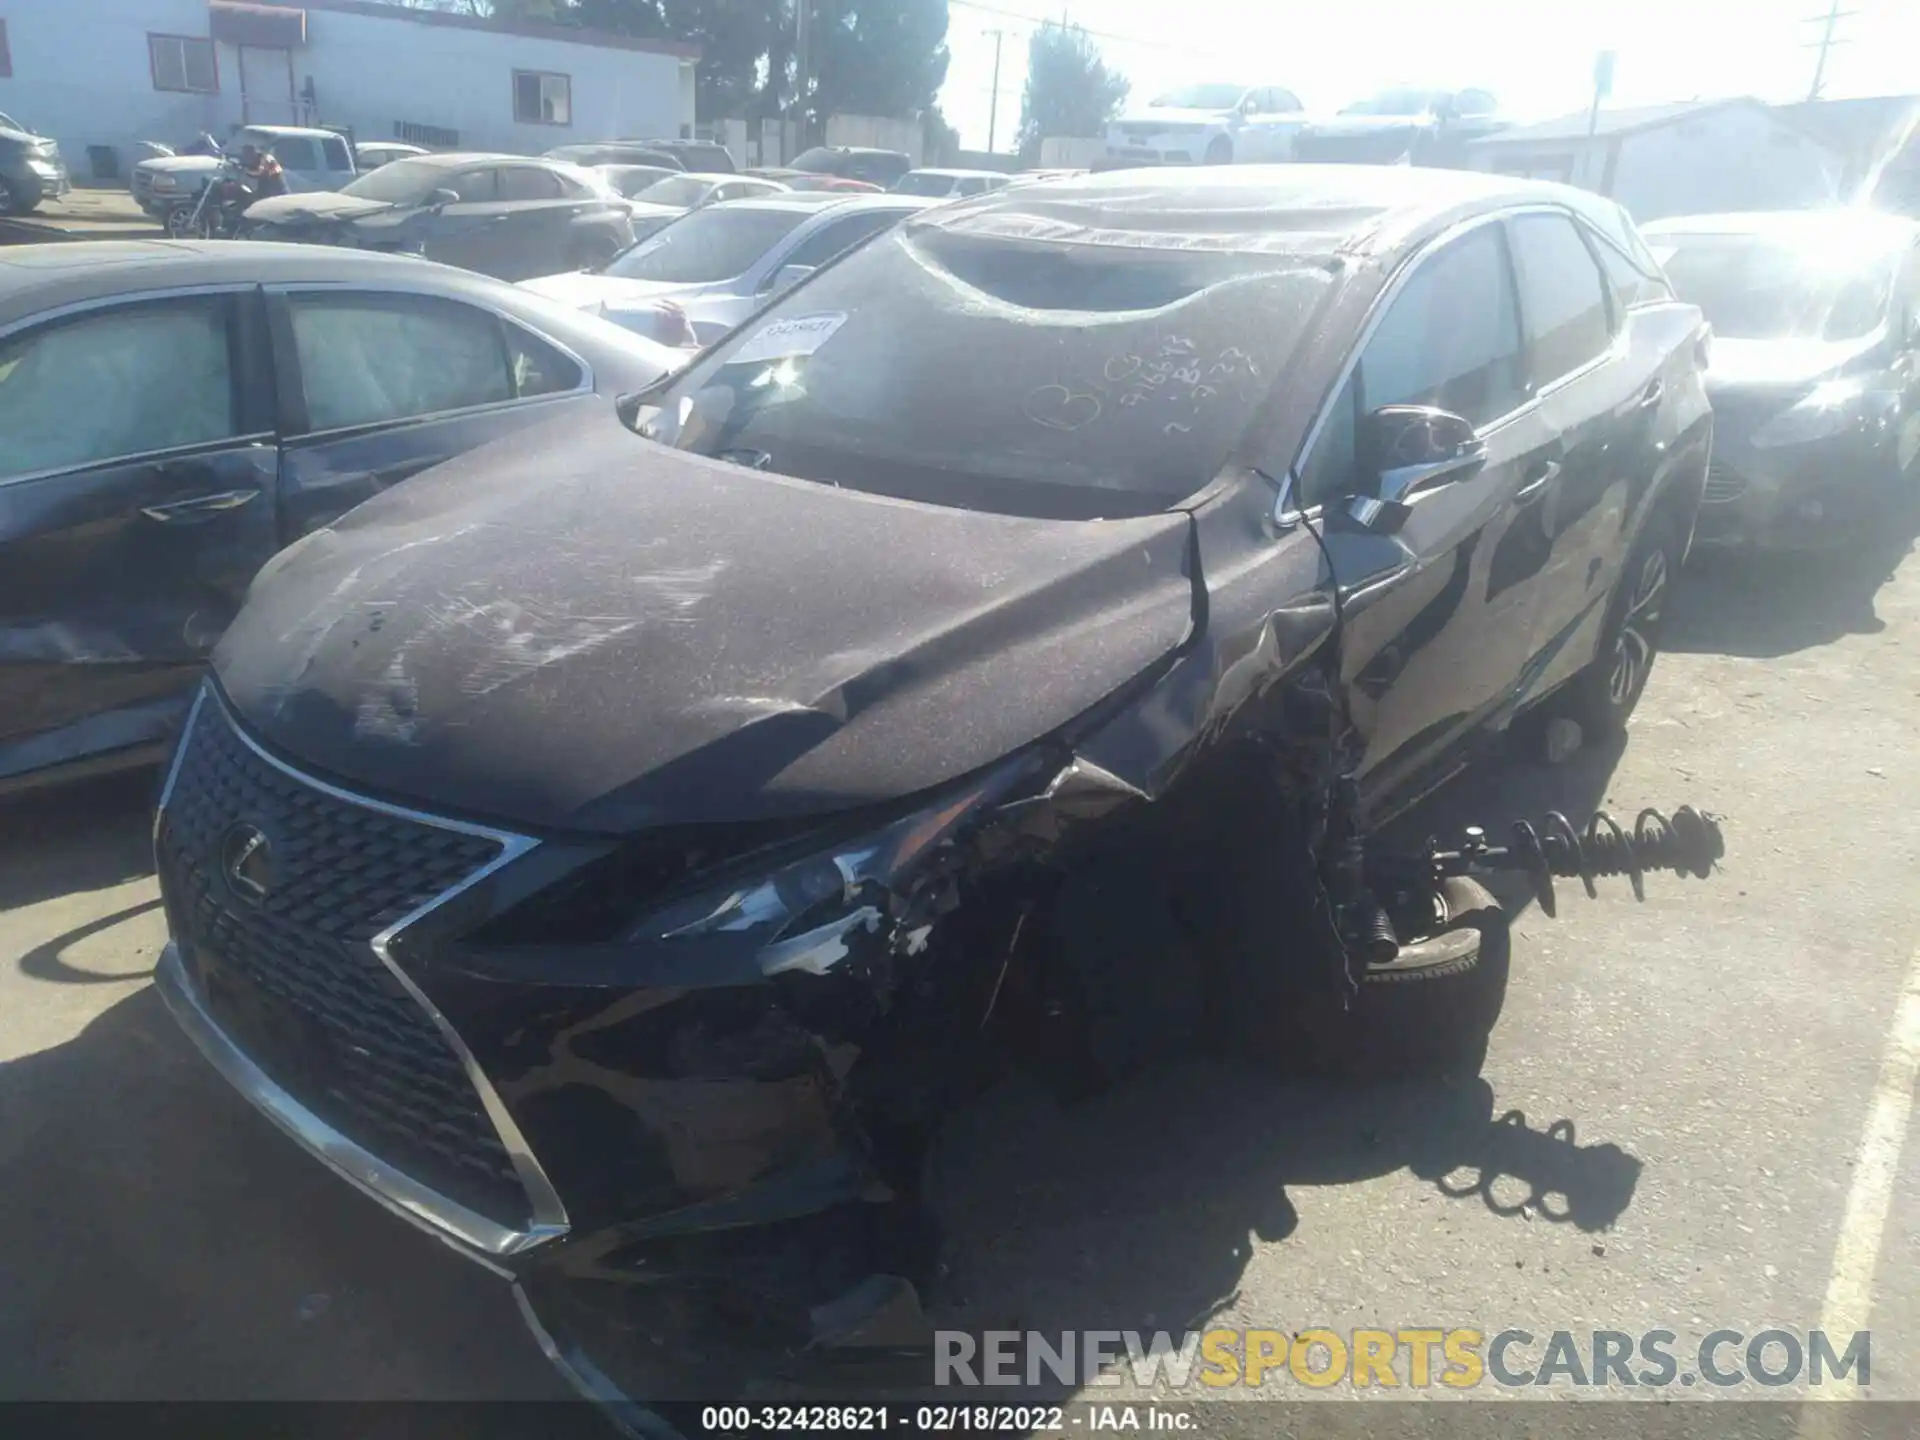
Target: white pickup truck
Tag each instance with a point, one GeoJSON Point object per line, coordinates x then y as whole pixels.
{"type": "Point", "coordinates": [312, 160]}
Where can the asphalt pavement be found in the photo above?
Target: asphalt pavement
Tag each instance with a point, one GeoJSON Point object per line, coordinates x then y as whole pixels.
{"type": "Point", "coordinates": [1696, 1114]}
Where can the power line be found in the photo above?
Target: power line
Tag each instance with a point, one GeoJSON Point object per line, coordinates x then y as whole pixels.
{"type": "Point", "coordinates": [1825, 43]}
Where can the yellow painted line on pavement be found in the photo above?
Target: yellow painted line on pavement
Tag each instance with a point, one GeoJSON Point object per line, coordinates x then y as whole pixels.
{"type": "Point", "coordinates": [1856, 1256]}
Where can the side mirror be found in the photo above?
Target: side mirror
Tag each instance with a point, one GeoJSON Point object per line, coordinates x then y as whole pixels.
{"type": "Point", "coordinates": [787, 276]}
{"type": "Point", "coordinates": [440, 199]}
{"type": "Point", "coordinates": [1405, 451]}
{"type": "Point", "coordinates": [1250, 105]}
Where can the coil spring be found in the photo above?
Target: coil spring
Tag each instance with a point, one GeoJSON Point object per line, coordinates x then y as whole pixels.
{"type": "Point", "coordinates": [1688, 844]}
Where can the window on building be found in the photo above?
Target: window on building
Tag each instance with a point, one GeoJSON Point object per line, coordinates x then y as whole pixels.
{"type": "Point", "coordinates": [183, 62]}
{"type": "Point", "coordinates": [542, 98]}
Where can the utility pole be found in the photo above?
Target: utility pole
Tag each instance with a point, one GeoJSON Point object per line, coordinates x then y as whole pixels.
{"type": "Point", "coordinates": [993, 104]}
{"type": "Point", "coordinates": [1829, 22]}
{"type": "Point", "coordinates": [802, 78]}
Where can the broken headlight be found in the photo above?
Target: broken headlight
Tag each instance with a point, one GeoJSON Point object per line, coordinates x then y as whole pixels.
{"type": "Point", "coordinates": [804, 914]}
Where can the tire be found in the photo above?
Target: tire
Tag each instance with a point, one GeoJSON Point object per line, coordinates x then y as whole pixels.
{"type": "Point", "coordinates": [1430, 1011]}
{"type": "Point", "coordinates": [1219, 151]}
{"type": "Point", "coordinates": [1601, 698]}
{"type": "Point", "coordinates": [12, 202]}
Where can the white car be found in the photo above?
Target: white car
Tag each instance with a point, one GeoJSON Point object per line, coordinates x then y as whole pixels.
{"type": "Point", "coordinates": [949, 184]}
{"type": "Point", "coordinates": [372, 154]}
{"type": "Point", "coordinates": [697, 278]}
{"type": "Point", "coordinates": [673, 196]}
{"type": "Point", "coordinates": [1210, 125]}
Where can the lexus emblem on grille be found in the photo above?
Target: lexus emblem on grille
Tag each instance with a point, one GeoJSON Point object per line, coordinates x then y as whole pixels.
{"type": "Point", "coordinates": [246, 859]}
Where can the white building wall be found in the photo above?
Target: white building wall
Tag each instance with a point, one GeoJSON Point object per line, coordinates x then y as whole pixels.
{"type": "Point", "coordinates": [1739, 158]}
{"type": "Point", "coordinates": [371, 72]}
{"type": "Point", "coordinates": [81, 74]}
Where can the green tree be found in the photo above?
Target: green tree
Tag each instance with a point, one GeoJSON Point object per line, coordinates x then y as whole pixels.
{"type": "Point", "coordinates": [877, 57]}
{"type": "Point", "coordinates": [1070, 90]}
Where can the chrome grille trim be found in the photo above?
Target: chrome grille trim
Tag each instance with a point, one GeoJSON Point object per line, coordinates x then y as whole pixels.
{"type": "Point", "coordinates": [469, 1231]}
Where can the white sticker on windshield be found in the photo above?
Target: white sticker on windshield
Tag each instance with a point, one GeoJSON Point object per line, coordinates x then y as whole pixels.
{"type": "Point", "coordinates": [784, 339]}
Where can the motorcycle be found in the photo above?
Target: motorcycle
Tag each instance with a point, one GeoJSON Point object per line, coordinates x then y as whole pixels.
{"type": "Point", "coordinates": [217, 212]}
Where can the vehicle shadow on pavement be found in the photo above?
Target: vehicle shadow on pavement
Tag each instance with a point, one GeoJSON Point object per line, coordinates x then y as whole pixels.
{"type": "Point", "coordinates": [1140, 1209]}
{"type": "Point", "coordinates": [85, 836]}
{"type": "Point", "coordinates": [1765, 606]}
{"type": "Point", "coordinates": [159, 1240]}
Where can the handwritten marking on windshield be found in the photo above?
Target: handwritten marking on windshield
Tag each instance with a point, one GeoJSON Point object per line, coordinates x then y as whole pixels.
{"type": "Point", "coordinates": [1058, 408]}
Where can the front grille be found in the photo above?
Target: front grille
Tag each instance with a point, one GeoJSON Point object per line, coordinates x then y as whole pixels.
{"type": "Point", "coordinates": [291, 975]}
{"type": "Point", "coordinates": [1724, 485]}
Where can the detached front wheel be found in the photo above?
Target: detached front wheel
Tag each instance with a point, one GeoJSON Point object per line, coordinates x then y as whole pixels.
{"type": "Point", "coordinates": [1431, 1009]}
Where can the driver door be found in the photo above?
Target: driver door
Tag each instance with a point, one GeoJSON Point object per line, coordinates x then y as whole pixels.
{"type": "Point", "coordinates": [137, 480]}
{"type": "Point", "coordinates": [1434, 651]}
{"type": "Point", "coordinates": [464, 233]}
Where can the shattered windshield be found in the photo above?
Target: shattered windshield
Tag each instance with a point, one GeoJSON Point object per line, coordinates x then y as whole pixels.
{"type": "Point", "coordinates": [1752, 288]}
{"type": "Point", "coordinates": [1070, 379]}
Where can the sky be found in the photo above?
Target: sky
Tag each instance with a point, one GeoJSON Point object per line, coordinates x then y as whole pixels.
{"type": "Point", "coordinates": [1536, 55]}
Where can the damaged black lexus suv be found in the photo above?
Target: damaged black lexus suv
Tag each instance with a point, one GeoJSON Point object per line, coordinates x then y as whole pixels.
{"type": "Point", "coordinates": [617, 850]}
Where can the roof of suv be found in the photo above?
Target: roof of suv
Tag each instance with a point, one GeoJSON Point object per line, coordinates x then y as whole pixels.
{"type": "Point", "coordinates": [1304, 209]}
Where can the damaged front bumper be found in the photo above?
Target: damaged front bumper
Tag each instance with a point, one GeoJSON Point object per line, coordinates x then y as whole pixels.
{"type": "Point", "coordinates": [722, 1098]}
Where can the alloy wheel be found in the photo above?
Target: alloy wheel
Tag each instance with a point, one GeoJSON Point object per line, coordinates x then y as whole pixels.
{"type": "Point", "coordinates": [1639, 630]}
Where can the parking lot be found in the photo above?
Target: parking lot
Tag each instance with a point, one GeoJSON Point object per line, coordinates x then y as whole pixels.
{"type": "Point", "coordinates": [1666, 1134]}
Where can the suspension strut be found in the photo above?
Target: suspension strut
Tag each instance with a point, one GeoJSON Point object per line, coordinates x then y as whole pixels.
{"type": "Point", "coordinates": [1688, 843]}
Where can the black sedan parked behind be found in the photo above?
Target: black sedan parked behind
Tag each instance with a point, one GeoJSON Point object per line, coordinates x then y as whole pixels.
{"type": "Point", "coordinates": [947, 669]}
{"type": "Point", "coordinates": [1815, 378]}
{"type": "Point", "coordinates": [502, 215]}
{"type": "Point", "coordinates": [172, 413]}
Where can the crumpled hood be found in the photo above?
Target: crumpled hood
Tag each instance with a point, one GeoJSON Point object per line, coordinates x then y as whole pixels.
{"type": "Point", "coordinates": [594, 633]}
{"type": "Point", "coordinates": [317, 205]}
{"type": "Point", "coordinates": [1780, 364]}
{"type": "Point", "coordinates": [585, 290]}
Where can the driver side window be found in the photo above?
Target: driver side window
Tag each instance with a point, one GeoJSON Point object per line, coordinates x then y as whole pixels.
{"type": "Point", "coordinates": [1450, 338]}
{"type": "Point", "coordinates": [474, 186]}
